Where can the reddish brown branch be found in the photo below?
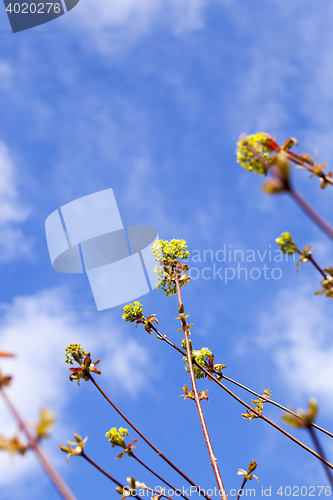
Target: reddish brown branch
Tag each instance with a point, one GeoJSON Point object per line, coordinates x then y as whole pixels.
{"type": "Point", "coordinates": [241, 489]}
{"type": "Point", "coordinates": [321, 453]}
{"type": "Point", "coordinates": [259, 415]}
{"type": "Point", "coordinates": [212, 457]}
{"type": "Point", "coordinates": [144, 437]}
{"type": "Point", "coordinates": [306, 207]}
{"type": "Point", "coordinates": [53, 474]}
{"type": "Point", "coordinates": [105, 473]}
{"type": "Point", "coordinates": [158, 477]}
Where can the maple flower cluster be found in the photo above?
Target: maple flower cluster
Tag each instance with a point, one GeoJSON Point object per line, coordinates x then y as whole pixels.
{"type": "Point", "coordinates": [116, 438]}
{"type": "Point", "coordinates": [307, 417]}
{"type": "Point", "coordinates": [248, 476]}
{"type": "Point", "coordinates": [42, 430]}
{"type": "Point", "coordinates": [201, 356]}
{"type": "Point", "coordinates": [74, 448]}
{"type": "Point", "coordinates": [169, 255]}
{"type": "Point", "coordinates": [260, 152]}
{"type": "Point", "coordinates": [247, 157]}
{"type": "Point", "coordinates": [74, 352]}
{"type": "Point", "coordinates": [327, 284]}
{"type": "Point", "coordinates": [288, 247]}
{"type": "Point", "coordinates": [204, 358]}
{"type": "Point", "coordinates": [286, 244]}
{"type": "Point", "coordinates": [134, 313]}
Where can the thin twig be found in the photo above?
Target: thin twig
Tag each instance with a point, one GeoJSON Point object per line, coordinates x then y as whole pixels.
{"type": "Point", "coordinates": [165, 339]}
{"type": "Point", "coordinates": [311, 259]}
{"type": "Point", "coordinates": [158, 493]}
{"type": "Point", "coordinates": [53, 474]}
{"type": "Point", "coordinates": [259, 415]}
{"type": "Point", "coordinates": [104, 472]}
{"type": "Point", "coordinates": [322, 272]}
{"type": "Point", "coordinates": [241, 488]}
{"type": "Point", "coordinates": [146, 439]}
{"type": "Point", "coordinates": [159, 477]}
{"type": "Point", "coordinates": [306, 207]}
{"type": "Point", "coordinates": [274, 403]}
{"type": "Point", "coordinates": [321, 452]}
{"type": "Point", "coordinates": [293, 157]}
{"type": "Point", "coordinates": [212, 457]}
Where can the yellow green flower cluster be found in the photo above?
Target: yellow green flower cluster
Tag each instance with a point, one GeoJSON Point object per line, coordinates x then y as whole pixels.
{"type": "Point", "coordinates": [74, 352]}
{"type": "Point", "coordinates": [46, 421]}
{"type": "Point", "coordinates": [74, 448]}
{"type": "Point", "coordinates": [307, 416]}
{"type": "Point", "coordinates": [13, 445]}
{"type": "Point", "coordinates": [170, 251]}
{"type": "Point", "coordinates": [133, 312]}
{"type": "Point", "coordinates": [169, 254]}
{"type": "Point", "coordinates": [286, 244]}
{"type": "Point", "coordinates": [201, 357]}
{"type": "Point", "coordinates": [116, 436]}
{"type": "Point", "coordinates": [327, 284]}
{"type": "Point", "coordinates": [247, 158]}
{"type": "Point", "coordinates": [131, 490]}
{"type": "Point", "coordinates": [248, 476]}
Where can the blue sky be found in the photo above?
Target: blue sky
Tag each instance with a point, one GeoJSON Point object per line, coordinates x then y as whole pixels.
{"type": "Point", "coordinates": [149, 98]}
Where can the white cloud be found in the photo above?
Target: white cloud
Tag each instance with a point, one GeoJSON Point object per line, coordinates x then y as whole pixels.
{"type": "Point", "coordinates": [262, 86]}
{"type": "Point", "coordinates": [297, 334]}
{"type": "Point", "coordinates": [113, 24]}
{"type": "Point", "coordinates": [284, 86]}
{"type": "Point", "coordinates": [37, 329]}
{"type": "Point", "coordinates": [287, 70]}
{"type": "Point", "coordinates": [13, 244]}
{"type": "Point", "coordinates": [181, 14]}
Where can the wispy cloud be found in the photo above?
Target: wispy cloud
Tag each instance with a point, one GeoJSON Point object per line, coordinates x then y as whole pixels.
{"type": "Point", "coordinates": [37, 330]}
{"type": "Point", "coordinates": [180, 14]}
{"type": "Point", "coordinates": [297, 335]}
{"type": "Point", "coordinates": [113, 25]}
{"type": "Point", "coordinates": [297, 56]}
{"type": "Point", "coordinates": [13, 243]}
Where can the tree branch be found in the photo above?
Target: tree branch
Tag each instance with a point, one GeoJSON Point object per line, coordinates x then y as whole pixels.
{"type": "Point", "coordinates": [212, 457]}
{"type": "Point", "coordinates": [259, 415]}
{"type": "Point", "coordinates": [274, 403]}
{"type": "Point", "coordinates": [144, 437]}
{"type": "Point", "coordinates": [306, 207]}
{"type": "Point", "coordinates": [158, 477]}
{"type": "Point", "coordinates": [241, 489]}
{"type": "Point", "coordinates": [53, 474]}
{"type": "Point", "coordinates": [321, 452]}
{"type": "Point", "coordinates": [104, 472]}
